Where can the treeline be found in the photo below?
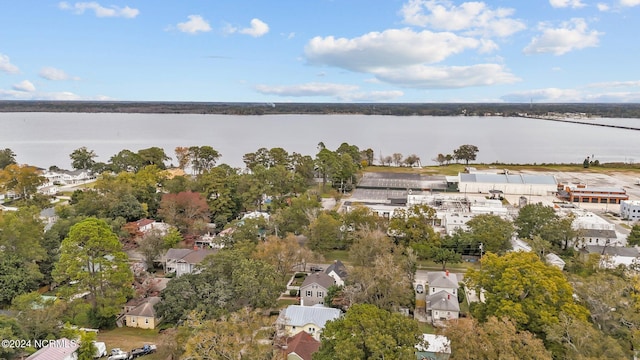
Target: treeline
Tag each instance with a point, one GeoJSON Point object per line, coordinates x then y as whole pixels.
{"type": "Point", "coordinates": [396, 109]}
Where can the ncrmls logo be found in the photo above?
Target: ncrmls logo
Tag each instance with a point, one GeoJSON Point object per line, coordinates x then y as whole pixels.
{"type": "Point", "coordinates": [58, 343]}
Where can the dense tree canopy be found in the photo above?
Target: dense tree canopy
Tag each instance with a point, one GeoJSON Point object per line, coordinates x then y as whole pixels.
{"type": "Point", "coordinates": [466, 153]}
{"type": "Point", "coordinates": [520, 286]}
{"type": "Point", "coordinates": [367, 332]}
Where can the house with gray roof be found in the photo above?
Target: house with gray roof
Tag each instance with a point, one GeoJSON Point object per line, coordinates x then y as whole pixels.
{"type": "Point", "coordinates": [314, 288]}
{"type": "Point", "coordinates": [185, 261]}
{"type": "Point", "coordinates": [143, 315]}
{"type": "Point", "coordinates": [442, 281]}
{"type": "Point", "coordinates": [311, 319]}
{"type": "Point", "coordinates": [442, 306]}
{"type": "Point", "coordinates": [338, 272]}
{"type": "Point", "coordinates": [613, 256]}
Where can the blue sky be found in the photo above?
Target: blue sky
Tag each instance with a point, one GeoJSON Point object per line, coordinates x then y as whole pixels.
{"type": "Point", "coordinates": [556, 51]}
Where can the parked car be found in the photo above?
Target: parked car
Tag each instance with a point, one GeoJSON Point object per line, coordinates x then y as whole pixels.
{"type": "Point", "coordinates": [117, 354]}
{"type": "Point", "coordinates": [419, 289]}
{"type": "Point", "coordinates": [145, 350]}
{"type": "Point", "coordinates": [315, 268]}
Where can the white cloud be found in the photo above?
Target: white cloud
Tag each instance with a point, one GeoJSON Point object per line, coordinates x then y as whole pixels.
{"type": "Point", "coordinates": [309, 89]}
{"type": "Point", "coordinates": [194, 25]}
{"type": "Point", "coordinates": [474, 18]}
{"type": "Point", "coordinates": [372, 96]}
{"type": "Point", "coordinates": [391, 48]}
{"type": "Point", "coordinates": [566, 3]}
{"type": "Point", "coordinates": [24, 85]}
{"type": "Point", "coordinates": [555, 95]}
{"type": "Point", "coordinates": [447, 77]}
{"type": "Point", "coordinates": [571, 35]}
{"type": "Point", "coordinates": [51, 73]}
{"type": "Point", "coordinates": [603, 7]}
{"type": "Point", "coordinates": [7, 66]}
{"type": "Point", "coordinates": [99, 10]}
{"type": "Point", "coordinates": [63, 95]}
{"type": "Point", "coordinates": [257, 29]}
{"type": "Point", "coordinates": [615, 84]}
{"type": "Point", "coordinates": [629, 3]}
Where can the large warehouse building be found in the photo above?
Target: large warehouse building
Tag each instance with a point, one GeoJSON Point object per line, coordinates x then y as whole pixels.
{"type": "Point", "coordinates": [516, 184]}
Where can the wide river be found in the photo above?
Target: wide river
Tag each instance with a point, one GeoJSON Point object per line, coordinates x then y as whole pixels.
{"type": "Point", "coordinates": [45, 139]}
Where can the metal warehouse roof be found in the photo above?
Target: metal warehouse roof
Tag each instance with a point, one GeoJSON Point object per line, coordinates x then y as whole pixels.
{"type": "Point", "coordinates": [508, 179]}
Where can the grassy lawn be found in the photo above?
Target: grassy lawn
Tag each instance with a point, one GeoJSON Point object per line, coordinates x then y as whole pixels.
{"type": "Point", "coordinates": [459, 267]}
{"type": "Point", "coordinates": [284, 302]}
{"type": "Point", "coordinates": [331, 255]}
{"type": "Point", "coordinates": [454, 169]}
{"type": "Point", "coordinates": [127, 338]}
{"type": "Point", "coordinates": [427, 328]}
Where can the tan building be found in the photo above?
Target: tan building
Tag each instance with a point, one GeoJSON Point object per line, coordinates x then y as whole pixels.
{"type": "Point", "coordinates": [143, 315]}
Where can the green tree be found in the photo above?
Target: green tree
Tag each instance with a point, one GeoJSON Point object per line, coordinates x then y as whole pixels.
{"type": "Point", "coordinates": [228, 281]}
{"type": "Point", "coordinates": [492, 231]}
{"type": "Point", "coordinates": [414, 226]}
{"type": "Point", "coordinates": [92, 260]}
{"type": "Point", "coordinates": [153, 156]}
{"type": "Point", "coordinates": [633, 239]}
{"type": "Point", "coordinates": [369, 245]}
{"type": "Point", "coordinates": [444, 256]}
{"type": "Point", "coordinates": [39, 318]}
{"type": "Point", "coordinates": [203, 158]}
{"type": "Point", "coordinates": [281, 253]}
{"type": "Point", "coordinates": [87, 349]}
{"type": "Point", "coordinates": [219, 187]}
{"type": "Point", "coordinates": [7, 157]}
{"type": "Point", "coordinates": [466, 153]}
{"type": "Point", "coordinates": [532, 218]}
{"type": "Point", "coordinates": [83, 158]}
{"type": "Point", "coordinates": [10, 330]}
{"type": "Point", "coordinates": [324, 233]}
{"type": "Point", "coordinates": [367, 332]}
{"type": "Point", "coordinates": [126, 160]}
{"type": "Point", "coordinates": [520, 286]}
{"type": "Point", "coordinates": [151, 246]}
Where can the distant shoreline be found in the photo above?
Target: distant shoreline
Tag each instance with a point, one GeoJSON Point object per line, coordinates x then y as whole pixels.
{"type": "Point", "coordinates": [604, 110]}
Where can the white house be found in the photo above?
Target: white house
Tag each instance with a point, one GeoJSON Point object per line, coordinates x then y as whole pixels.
{"type": "Point", "coordinates": [613, 256]}
{"type": "Point", "coordinates": [442, 281]}
{"type": "Point", "coordinates": [630, 209]}
{"type": "Point", "coordinates": [442, 306]}
{"type": "Point", "coordinates": [338, 272]}
{"type": "Point", "coordinates": [184, 261]}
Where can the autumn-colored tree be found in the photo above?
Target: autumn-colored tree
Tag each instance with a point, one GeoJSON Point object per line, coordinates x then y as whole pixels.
{"type": "Point", "coordinates": [184, 210]}
{"type": "Point", "coordinates": [386, 283]}
{"type": "Point", "coordinates": [414, 226]}
{"type": "Point", "coordinates": [369, 244]}
{"type": "Point", "coordinates": [183, 156]}
{"type": "Point", "coordinates": [21, 179]}
{"type": "Point", "coordinates": [493, 339]}
{"type": "Point", "coordinates": [282, 254]}
{"type": "Point", "coordinates": [237, 336]}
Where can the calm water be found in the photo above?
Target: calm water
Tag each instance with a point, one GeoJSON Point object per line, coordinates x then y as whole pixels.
{"type": "Point", "coordinates": [45, 139]}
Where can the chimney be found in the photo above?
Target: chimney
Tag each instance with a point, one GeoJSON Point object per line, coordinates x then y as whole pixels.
{"type": "Point", "coordinates": [447, 272]}
{"type": "Point", "coordinates": [448, 296]}
{"type": "Point", "coordinates": [195, 247]}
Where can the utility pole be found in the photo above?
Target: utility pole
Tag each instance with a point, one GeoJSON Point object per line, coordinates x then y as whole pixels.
{"type": "Point", "coordinates": [481, 249]}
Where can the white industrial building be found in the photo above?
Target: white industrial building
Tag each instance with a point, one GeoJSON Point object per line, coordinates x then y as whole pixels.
{"type": "Point", "coordinates": [512, 184]}
{"type": "Point", "coordinates": [630, 209]}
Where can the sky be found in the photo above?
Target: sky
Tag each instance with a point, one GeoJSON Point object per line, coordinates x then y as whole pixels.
{"type": "Point", "coordinates": [339, 51]}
